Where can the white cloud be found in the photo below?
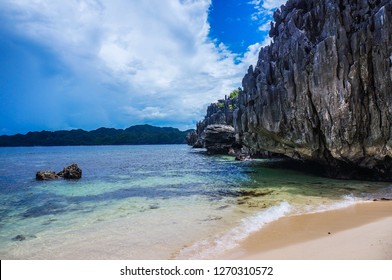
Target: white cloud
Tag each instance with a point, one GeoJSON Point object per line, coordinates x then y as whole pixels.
{"type": "Point", "coordinates": [267, 41]}
{"type": "Point", "coordinates": [263, 15]}
{"type": "Point", "coordinates": [264, 10]}
{"type": "Point", "coordinates": [273, 4]}
{"type": "Point", "coordinates": [154, 56]}
{"type": "Point", "coordinates": [252, 54]}
{"type": "Point", "coordinates": [265, 26]}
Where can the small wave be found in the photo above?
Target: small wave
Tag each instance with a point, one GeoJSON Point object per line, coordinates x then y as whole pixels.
{"type": "Point", "coordinates": [347, 200]}
{"type": "Point", "coordinates": [209, 248]}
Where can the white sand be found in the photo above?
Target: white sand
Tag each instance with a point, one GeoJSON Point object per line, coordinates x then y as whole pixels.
{"type": "Point", "coordinates": [359, 232]}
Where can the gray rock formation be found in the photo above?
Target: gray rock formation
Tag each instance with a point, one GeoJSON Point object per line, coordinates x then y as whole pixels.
{"type": "Point", "coordinates": [46, 175]}
{"type": "Point", "coordinates": [218, 113]}
{"type": "Point", "coordinates": [218, 121]}
{"type": "Point", "coordinates": [69, 172]}
{"type": "Point", "coordinates": [191, 138]}
{"type": "Point", "coordinates": [218, 138]}
{"type": "Point", "coordinates": [216, 133]}
{"type": "Point", "coordinates": [322, 91]}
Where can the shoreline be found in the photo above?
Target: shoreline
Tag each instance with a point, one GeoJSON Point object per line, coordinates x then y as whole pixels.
{"type": "Point", "coordinates": [360, 231]}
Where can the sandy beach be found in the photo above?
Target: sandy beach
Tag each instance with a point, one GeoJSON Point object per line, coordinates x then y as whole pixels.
{"type": "Point", "coordinates": [359, 232]}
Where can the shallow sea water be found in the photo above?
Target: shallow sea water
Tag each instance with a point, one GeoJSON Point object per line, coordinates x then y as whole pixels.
{"type": "Point", "coordinates": [151, 202]}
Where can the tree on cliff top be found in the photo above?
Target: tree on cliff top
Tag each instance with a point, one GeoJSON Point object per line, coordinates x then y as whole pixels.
{"type": "Point", "coordinates": [235, 93]}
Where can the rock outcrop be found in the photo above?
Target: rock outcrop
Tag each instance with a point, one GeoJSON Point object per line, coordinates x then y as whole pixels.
{"type": "Point", "coordinates": [191, 138]}
{"type": "Point", "coordinates": [46, 175]}
{"type": "Point", "coordinates": [218, 138]}
{"type": "Point", "coordinates": [322, 91]}
{"type": "Point", "coordinates": [69, 172]}
{"type": "Point", "coordinates": [216, 132]}
{"type": "Point", "coordinates": [218, 113]}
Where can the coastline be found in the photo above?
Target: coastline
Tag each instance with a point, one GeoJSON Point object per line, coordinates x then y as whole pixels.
{"type": "Point", "coordinates": [359, 232]}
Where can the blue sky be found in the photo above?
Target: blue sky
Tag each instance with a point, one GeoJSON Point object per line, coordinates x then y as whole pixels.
{"type": "Point", "coordinates": [93, 63]}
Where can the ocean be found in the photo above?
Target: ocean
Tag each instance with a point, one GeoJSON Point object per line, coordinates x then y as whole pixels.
{"type": "Point", "coordinates": [152, 202]}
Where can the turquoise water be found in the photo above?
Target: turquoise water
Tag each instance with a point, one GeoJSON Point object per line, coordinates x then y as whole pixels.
{"type": "Point", "coordinates": [151, 202]}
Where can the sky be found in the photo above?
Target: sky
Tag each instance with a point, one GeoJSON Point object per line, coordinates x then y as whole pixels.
{"type": "Point", "coordinates": [115, 63]}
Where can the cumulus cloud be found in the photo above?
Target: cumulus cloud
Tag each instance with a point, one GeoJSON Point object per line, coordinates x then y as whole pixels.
{"type": "Point", "coordinates": [126, 62]}
{"type": "Point", "coordinates": [267, 4]}
{"type": "Point", "coordinates": [273, 4]}
{"type": "Point", "coordinates": [264, 10]}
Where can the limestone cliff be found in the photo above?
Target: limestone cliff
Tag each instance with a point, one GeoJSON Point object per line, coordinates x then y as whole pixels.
{"type": "Point", "coordinates": [216, 132]}
{"type": "Point", "coordinates": [322, 91]}
{"type": "Point", "coordinates": [220, 112]}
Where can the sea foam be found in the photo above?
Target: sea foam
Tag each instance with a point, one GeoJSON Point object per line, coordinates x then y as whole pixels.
{"type": "Point", "coordinates": [346, 201]}
{"type": "Point", "coordinates": [206, 249]}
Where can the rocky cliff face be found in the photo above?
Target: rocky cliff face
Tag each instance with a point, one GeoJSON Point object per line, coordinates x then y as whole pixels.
{"type": "Point", "coordinates": [216, 132]}
{"type": "Point", "coordinates": [218, 139]}
{"type": "Point", "coordinates": [322, 91]}
{"type": "Point", "coordinates": [218, 113]}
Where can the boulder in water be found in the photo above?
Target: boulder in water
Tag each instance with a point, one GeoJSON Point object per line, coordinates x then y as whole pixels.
{"type": "Point", "coordinates": [46, 175]}
{"type": "Point", "coordinates": [70, 172]}
{"type": "Point", "coordinates": [218, 138]}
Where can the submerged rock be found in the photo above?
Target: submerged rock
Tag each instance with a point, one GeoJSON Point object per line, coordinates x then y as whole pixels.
{"type": "Point", "coordinates": [19, 237]}
{"type": "Point", "coordinates": [382, 199]}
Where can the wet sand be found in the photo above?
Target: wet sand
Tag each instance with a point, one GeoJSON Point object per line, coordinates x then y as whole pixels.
{"type": "Point", "coordinates": [359, 232]}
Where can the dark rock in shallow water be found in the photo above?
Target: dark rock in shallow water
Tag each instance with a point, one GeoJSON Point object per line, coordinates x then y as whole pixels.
{"type": "Point", "coordinates": [211, 218]}
{"type": "Point", "coordinates": [71, 172]}
{"type": "Point", "coordinates": [382, 199]}
{"type": "Point", "coordinates": [48, 208]}
{"type": "Point", "coordinates": [222, 207]}
{"type": "Point", "coordinates": [46, 175]}
{"type": "Point", "coordinates": [254, 193]}
{"type": "Point", "coordinates": [19, 237]}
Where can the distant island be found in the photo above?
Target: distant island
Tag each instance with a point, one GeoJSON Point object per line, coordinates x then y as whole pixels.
{"type": "Point", "coordinates": [134, 135]}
